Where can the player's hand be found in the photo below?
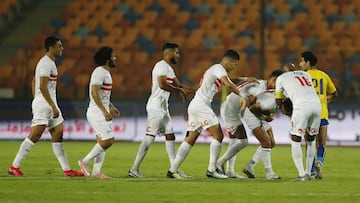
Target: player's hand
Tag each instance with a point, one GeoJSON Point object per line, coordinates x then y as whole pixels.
{"type": "Point", "coordinates": [287, 107]}
{"type": "Point", "coordinates": [269, 118]}
{"type": "Point", "coordinates": [55, 112]}
{"type": "Point", "coordinates": [114, 112]}
{"type": "Point", "coordinates": [251, 100]}
{"type": "Point", "coordinates": [182, 94]}
{"type": "Point", "coordinates": [252, 79]}
{"type": "Point", "coordinates": [107, 115]}
{"type": "Point", "coordinates": [243, 104]}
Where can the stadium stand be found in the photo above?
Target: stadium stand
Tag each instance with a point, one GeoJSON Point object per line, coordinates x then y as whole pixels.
{"type": "Point", "coordinates": [203, 29]}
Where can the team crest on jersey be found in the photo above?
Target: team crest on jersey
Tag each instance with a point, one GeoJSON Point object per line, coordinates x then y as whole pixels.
{"type": "Point", "coordinates": [313, 131]}
{"type": "Point", "coordinates": [300, 130]}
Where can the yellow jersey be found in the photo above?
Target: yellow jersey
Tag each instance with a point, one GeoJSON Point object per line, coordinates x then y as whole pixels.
{"type": "Point", "coordinates": [323, 86]}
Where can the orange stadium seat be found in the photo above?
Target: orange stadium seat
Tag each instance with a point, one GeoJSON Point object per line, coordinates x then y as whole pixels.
{"type": "Point", "coordinates": [91, 41]}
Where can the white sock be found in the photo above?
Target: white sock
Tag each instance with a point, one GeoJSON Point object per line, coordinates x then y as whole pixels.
{"type": "Point", "coordinates": [267, 160]}
{"type": "Point", "coordinates": [310, 154]}
{"type": "Point", "coordinates": [181, 154]}
{"type": "Point", "coordinates": [95, 151]}
{"type": "Point", "coordinates": [98, 162]}
{"type": "Point", "coordinates": [170, 149]}
{"type": "Point", "coordinates": [297, 157]}
{"type": "Point", "coordinates": [143, 148]}
{"type": "Point", "coordinates": [215, 149]}
{"type": "Point", "coordinates": [232, 160]}
{"type": "Point", "coordinates": [24, 149]}
{"type": "Point", "coordinates": [235, 145]}
{"type": "Point", "coordinates": [58, 149]}
{"type": "Point", "coordinates": [256, 157]}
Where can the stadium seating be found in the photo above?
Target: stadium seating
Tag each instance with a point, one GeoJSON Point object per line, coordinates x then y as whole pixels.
{"type": "Point", "coordinates": [204, 30]}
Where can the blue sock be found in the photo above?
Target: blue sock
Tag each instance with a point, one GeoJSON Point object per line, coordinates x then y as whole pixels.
{"type": "Point", "coordinates": [313, 167]}
{"type": "Point", "coordinates": [321, 154]}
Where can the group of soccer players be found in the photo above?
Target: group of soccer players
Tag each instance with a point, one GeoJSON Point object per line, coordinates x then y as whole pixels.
{"type": "Point", "coordinates": [250, 101]}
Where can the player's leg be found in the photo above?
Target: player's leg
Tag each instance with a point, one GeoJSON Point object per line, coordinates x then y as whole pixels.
{"type": "Point", "coordinates": [26, 145]}
{"type": "Point", "coordinates": [41, 116]}
{"type": "Point", "coordinates": [183, 151]}
{"type": "Point", "coordinates": [170, 147]}
{"type": "Point", "coordinates": [215, 149]}
{"type": "Point", "coordinates": [154, 126]}
{"type": "Point", "coordinates": [255, 125]}
{"type": "Point", "coordinates": [299, 120]}
{"type": "Point", "coordinates": [104, 139]}
{"type": "Point", "coordinates": [270, 174]}
{"type": "Point", "coordinates": [238, 140]}
{"type": "Point", "coordinates": [58, 147]}
{"type": "Point", "coordinates": [169, 137]}
{"type": "Point", "coordinates": [320, 144]}
{"type": "Point", "coordinates": [99, 159]}
{"type": "Point", "coordinates": [310, 152]}
{"type": "Point", "coordinates": [143, 148]}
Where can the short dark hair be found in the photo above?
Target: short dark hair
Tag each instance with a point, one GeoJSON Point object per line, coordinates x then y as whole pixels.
{"type": "Point", "coordinates": [50, 42]}
{"type": "Point", "coordinates": [102, 55]}
{"type": "Point", "coordinates": [170, 45]}
{"type": "Point", "coordinates": [232, 54]}
{"type": "Point", "coordinates": [276, 73]}
{"type": "Point", "coordinates": [309, 56]}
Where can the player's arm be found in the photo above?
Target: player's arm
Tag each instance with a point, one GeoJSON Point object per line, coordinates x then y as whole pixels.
{"type": "Point", "coordinates": [44, 80]}
{"type": "Point", "coordinates": [170, 88]}
{"type": "Point", "coordinates": [33, 87]}
{"type": "Point", "coordinates": [331, 96]}
{"type": "Point", "coordinates": [187, 89]}
{"type": "Point", "coordinates": [232, 88]}
{"type": "Point", "coordinates": [95, 90]}
{"type": "Point", "coordinates": [284, 104]}
{"type": "Point", "coordinates": [241, 80]}
{"type": "Point", "coordinates": [230, 85]}
{"type": "Point", "coordinates": [115, 113]}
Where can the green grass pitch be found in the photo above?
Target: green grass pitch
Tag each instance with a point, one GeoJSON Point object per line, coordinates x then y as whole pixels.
{"type": "Point", "coordinates": [43, 181]}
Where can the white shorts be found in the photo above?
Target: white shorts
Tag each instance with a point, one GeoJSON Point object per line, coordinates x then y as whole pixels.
{"type": "Point", "coordinates": [201, 116]}
{"type": "Point", "coordinates": [306, 119]}
{"type": "Point", "coordinates": [97, 121]}
{"type": "Point", "coordinates": [254, 122]}
{"type": "Point", "coordinates": [231, 118]}
{"type": "Point", "coordinates": [158, 123]}
{"type": "Point", "coordinates": [42, 115]}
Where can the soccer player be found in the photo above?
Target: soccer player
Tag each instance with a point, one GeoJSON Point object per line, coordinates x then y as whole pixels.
{"type": "Point", "coordinates": [260, 110]}
{"type": "Point", "coordinates": [46, 113]}
{"type": "Point", "coordinates": [201, 116]}
{"type": "Point", "coordinates": [100, 111]}
{"type": "Point", "coordinates": [326, 91]}
{"type": "Point", "coordinates": [305, 118]}
{"type": "Point", "coordinates": [164, 82]}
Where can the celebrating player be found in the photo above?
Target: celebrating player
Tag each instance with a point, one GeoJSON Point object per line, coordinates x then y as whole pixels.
{"type": "Point", "coordinates": [201, 116]}
{"type": "Point", "coordinates": [260, 110]}
{"type": "Point", "coordinates": [100, 111]}
{"type": "Point", "coordinates": [305, 118]}
{"type": "Point", "coordinates": [46, 113]}
{"type": "Point", "coordinates": [159, 122]}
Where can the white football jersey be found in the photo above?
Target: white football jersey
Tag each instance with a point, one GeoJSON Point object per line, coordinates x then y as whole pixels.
{"type": "Point", "coordinates": [100, 76]}
{"type": "Point", "coordinates": [297, 86]}
{"type": "Point", "coordinates": [210, 83]}
{"type": "Point", "coordinates": [246, 89]}
{"type": "Point", "coordinates": [267, 101]}
{"type": "Point", "coordinates": [161, 68]}
{"type": "Point", "coordinates": [46, 68]}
